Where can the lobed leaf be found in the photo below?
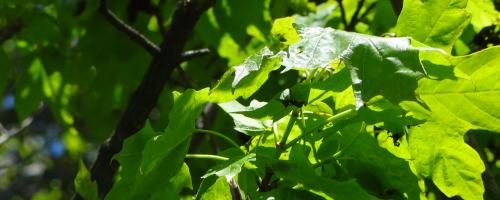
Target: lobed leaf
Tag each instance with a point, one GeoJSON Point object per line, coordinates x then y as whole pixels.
{"type": "Point", "coordinates": [440, 153]}
{"type": "Point", "coordinates": [368, 57]}
{"type": "Point", "coordinates": [299, 170]}
{"type": "Point", "coordinates": [245, 79]}
{"type": "Point", "coordinates": [471, 100]}
{"type": "Point", "coordinates": [437, 23]}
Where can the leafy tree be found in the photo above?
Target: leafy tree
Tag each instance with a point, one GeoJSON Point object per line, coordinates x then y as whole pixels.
{"type": "Point", "coordinates": [260, 99]}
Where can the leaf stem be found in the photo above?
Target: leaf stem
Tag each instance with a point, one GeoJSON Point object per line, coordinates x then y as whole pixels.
{"type": "Point", "coordinates": [288, 129]}
{"type": "Point", "coordinates": [222, 136]}
{"type": "Point", "coordinates": [207, 156]}
{"type": "Point", "coordinates": [128, 30]}
{"type": "Point", "coordinates": [340, 116]}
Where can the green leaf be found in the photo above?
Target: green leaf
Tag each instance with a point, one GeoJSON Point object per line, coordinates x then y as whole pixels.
{"type": "Point", "coordinates": [129, 158]}
{"type": "Point", "coordinates": [283, 28]}
{"type": "Point", "coordinates": [251, 64]}
{"type": "Point", "coordinates": [185, 111]}
{"type": "Point", "coordinates": [214, 188]}
{"type": "Point", "coordinates": [178, 182]}
{"type": "Point", "coordinates": [319, 18]}
{"type": "Point", "coordinates": [230, 168]}
{"type": "Point", "coordinates": [368, 57]}
{"type": "Point", "coordinates": [483, 13]}
{"type": "Point", "coordinates": [394, 59]}
{"type": "Point", "coordinates": [242, 123]}
{"type": "Point", "coordinates": [317, 49]}
{"type": "Point", "coordinates": [471, 100]}
{"type": "Point", "coordinates": [441, 154]}
{"type": "Point", "coordinates": [437, 23]}
{"type": "Point", "coordinates": [299, 170]}
{"type": "Point", "coordinates": [369, 169]}
{"type": "Point", "coordinates": [31, 88]}
{"type": "Point", "coordinates": [245, 79]}
{"type": "Point", "coordinates": [153, 161]}
{"type": "Point", "coordinates": [85, 187]}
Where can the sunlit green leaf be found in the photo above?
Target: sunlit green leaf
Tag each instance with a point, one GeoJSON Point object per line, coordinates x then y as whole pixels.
{"type": "Point", "coordinates": [369, 58]}
{"type": "Point", "coordinates": [283, 28]}
{"type": "Point", "coordinates": [470, 101]}
{"type": "Point", "coordinates": [245, 79]}
{"type": "Point", "coordinates": [440, 153]}
{"type": "Point", "coordinates": [435, 23]}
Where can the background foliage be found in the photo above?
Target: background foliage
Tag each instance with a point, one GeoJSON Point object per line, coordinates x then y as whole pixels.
{"type": "Point", "coordinates": [281, 107]}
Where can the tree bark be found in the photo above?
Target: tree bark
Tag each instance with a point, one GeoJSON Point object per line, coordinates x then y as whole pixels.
{"type": "Point", "coordinates": [146, 95]}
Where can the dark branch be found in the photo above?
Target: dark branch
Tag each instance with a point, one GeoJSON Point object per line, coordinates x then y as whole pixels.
{"type": "Point", "coordinates": [490, 183]}
{"type": "Point", "coordinates": [10, 30]}
{"type": "Point", "coordinates": [6, 134]}
{"type": "Point", "coordinates": [159, 17]}
{"type": "Point", "coordinates": [235, 190]}
{"type": "Point", "coordinates": [264, 185]}
{"type": "Point", "coordinates": [342, 13]}
{"type": "Point", "coordinates": [144, 98]}
{"type": "Point", "coordinates": [131, 32]}
{"type": "Point", "coordinates": [397, 5]}
{"type": "Point", "coordinates": [354, 18]}
{"type": "Point", "coordinates": [367, 11]}
{"type": "Point", "coordinates": [188, 55]}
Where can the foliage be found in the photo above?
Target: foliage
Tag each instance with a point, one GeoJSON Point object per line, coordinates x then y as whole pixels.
{"type": "Point", "coordinates": [305, 110]}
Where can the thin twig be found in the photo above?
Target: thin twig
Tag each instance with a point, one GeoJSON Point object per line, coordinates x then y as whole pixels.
{"type": "Point", "coordinates": [342, 13]}
{"type": "Point", "coordinates": [354, 18]}
{"type": "Point", "coordinates": [159, 18]}
{"type": "Point", "coordinates": [367, 11]}
{"type": "Point", "coordinates": [6, 134]}
{"type": "Point", "coordinates": [207, 156]}
{"type": "Point", "coordinates": [128, 30]}
{"type": "Point", "coordinates": [188, 55]}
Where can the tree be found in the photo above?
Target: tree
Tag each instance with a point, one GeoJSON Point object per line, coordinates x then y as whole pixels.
{"type": "Point", "coordinates": [256, 99]}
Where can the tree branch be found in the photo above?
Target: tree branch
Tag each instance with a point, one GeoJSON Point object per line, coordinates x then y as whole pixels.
{"type": "Point", "coordinates": [342, 13]}
{"type": "Point", "coordinates": [354, 18]}
{"type": "Point", "coordinates": [235, 190]}
{"type": "Point", "coordinates": [397, 5]}
{"type": "Point", "coordinates": [490, 183]}
{"type": "Point", "coordinates": [10, 30]}
{"type": "Point", "coordinates": [367, 11]}
{"type": "Point", "coordinates": [128, 30]}
{"type": "Point", "coordinates": [6, 134]}
{"type": "Point", "coordinates": [159, 17]}
{"type": "Point", "coordinates": [143, 100]}
{"type": "Point", "coordinates": [188, 55]}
